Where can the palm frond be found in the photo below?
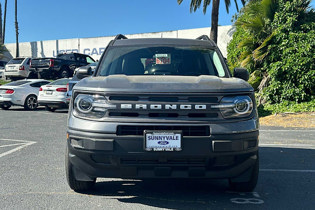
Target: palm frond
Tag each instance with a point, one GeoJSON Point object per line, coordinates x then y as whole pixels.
{"type": "Point", "coordinates": [262, 51]}
{"type": "Point", "coordinates": [194, 5]}
{"type": "Point", "coordinates": [205, 5]}
{"type": "Point", "coordinates": [227, 5]}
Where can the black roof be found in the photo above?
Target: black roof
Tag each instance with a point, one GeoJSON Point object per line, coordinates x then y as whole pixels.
{"type": "Point", "coordinates": [121, 40]}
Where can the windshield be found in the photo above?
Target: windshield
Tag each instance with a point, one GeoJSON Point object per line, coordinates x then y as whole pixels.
{"type": "Point", "coordinates": [16, 61]}
{"type": "Point", "coordinates": [60, 82]}
{"type": "Point", "coordinates": [185, 61]}
{"type": "Point", "coordinates": [17, 83]}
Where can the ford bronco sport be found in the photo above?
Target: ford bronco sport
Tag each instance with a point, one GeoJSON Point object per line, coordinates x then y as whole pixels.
{"type": "Point", "coordinates": [163, 108]}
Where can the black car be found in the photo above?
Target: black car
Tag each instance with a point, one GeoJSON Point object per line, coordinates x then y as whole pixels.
{"type": "Point", "coordinates": [61, 67]}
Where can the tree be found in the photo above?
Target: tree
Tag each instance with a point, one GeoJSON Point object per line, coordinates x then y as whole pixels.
{"type": "Point", "coordinates": [195, 4]}
{"type": "Point", "coordinates": [254, 32]}
{"type": "Point", "coordinates": [277, 38]}
{"type": "Point", "coordinates": [17, 31]}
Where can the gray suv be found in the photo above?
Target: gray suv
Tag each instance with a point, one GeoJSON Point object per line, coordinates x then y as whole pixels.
{"type": "Point", "coordinates": [163, 108]}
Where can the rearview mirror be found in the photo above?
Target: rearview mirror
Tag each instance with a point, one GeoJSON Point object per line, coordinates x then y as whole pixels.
{"type": "Point", "coordinates": [241, 73]}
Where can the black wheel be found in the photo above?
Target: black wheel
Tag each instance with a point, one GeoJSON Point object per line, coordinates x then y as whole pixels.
{"type": "Point", "coordinates": [51, 109]}
{"type": "Point", "coordinates": [64, 73]}
{"type": "Point", "coordinates": [32, 75]}
{"type": "Point", "coordinates": [5, 106]}
{"type": "Point", "coordinates": [251, 184]}
{"type": "Point", "coordinates": [78, 186]}
{"type": "Point", "coordinates": [30, 102]}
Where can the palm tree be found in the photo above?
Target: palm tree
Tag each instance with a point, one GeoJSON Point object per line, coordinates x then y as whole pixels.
{"type": "Point", "coordinates": [17, 31]}
{"type": "Point", "coordinates": [4, 20]}
{"type": "Point", "coordinates": [256, 22]}
{"type": "Point", "coordinates": [195, 4]}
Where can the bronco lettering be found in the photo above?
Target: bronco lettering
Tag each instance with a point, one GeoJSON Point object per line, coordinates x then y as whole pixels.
{"type": "Point", "coordinates": [163, 106]}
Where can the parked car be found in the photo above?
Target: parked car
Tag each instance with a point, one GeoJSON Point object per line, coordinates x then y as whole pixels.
{"type": "Point", "coordinates": [17, 68]}
{"type": "Point", "coordinates": [163, 108]}
{"type": "Point", "coordinates": [54, 94]}
{"type": "Point", "coordinates": [80, 73]}
{"type": "Point", "coordinates": [21, 93]}
{"type": "Point", "coordinates": [2, 65]}
{"type": "Point", "coordinates": [61, 67]}
{"type": "Point", "coordinates": [91, 67]}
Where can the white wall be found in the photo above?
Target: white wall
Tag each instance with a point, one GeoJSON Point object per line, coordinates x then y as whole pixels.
{"type": "Point", "coordinates": [95, 46]}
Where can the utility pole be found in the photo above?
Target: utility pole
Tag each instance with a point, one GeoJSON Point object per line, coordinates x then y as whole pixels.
{"type": "Point", "coordinates": [17, 31]}
{"type": "Point", "coordinates": [1, 36]}
{"type": "Point", "coordinates": [4, 19]}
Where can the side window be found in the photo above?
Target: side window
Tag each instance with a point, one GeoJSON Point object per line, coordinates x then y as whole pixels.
{"type": "Point", "coordinates": [36, 84]}
{"type": "Point", "coordinates": [218, 64]}
{"type": "Point", "coordinates": [29, 61]}
{"type": "Point", "coordinates": [89, 60]}
{"type": "Point", "coordinates": [71, 57]}
{"type": "Point", "coordinates": [43, 83]}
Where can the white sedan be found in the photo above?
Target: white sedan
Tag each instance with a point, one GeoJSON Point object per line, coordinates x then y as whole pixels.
{"type": "Point", "coordinates": [54, 95]}
{"type": "Point", "coordinates": [21, 93]}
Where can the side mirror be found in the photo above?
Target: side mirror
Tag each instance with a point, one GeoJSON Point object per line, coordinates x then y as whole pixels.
{"type": "Point", "coordinates": [84, 72]}
{"type": "Point", "coordinates": [241, 73]}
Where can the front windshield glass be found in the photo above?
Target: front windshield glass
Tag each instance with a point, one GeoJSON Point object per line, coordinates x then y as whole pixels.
{"type": "Point", "coordinates": [184, 61]}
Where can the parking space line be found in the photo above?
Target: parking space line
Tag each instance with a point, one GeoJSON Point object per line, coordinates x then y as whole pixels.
{"type": "Point", "coordinates": [23, 144]}
{"type": "Point", "coordinates": [10, 145]}
{"type": "Point", "coordinates": [287, 170]}
{"type": "Point", "coordinates": [300, 130]}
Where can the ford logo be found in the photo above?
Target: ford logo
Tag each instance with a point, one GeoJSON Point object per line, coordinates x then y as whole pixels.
{"type": "Point", "coordinates": [163, 142]}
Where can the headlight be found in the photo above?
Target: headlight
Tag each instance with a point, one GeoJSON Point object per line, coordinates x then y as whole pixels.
{"type": "Point", "coordinates": [239, 106]}
{"type": "Point", "coordinates": [91, 106]}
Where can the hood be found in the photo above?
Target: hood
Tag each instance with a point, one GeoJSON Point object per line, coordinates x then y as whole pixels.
{"type": "Point", "coordinates": [166, 84]}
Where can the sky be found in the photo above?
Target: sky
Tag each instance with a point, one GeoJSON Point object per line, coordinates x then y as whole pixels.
{"type": "Point", "coordinates": [65, 19]}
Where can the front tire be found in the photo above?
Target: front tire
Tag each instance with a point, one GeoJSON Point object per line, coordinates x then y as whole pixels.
{"type": "Point", "coordinates": [78, 186]}
{"type": "Point", "coordinates": [250, 185]}
{"type": "Point", "coordinates": [30, 102]}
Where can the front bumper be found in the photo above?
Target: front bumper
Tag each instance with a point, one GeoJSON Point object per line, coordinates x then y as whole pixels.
{"type": "Point", "coordinates": [105, 154]}
{"type": "Point", "coordinates": [17, 73]}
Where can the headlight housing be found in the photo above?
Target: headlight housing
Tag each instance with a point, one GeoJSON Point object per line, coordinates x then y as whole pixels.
{"type": "Point", "coordinates": [238, 106]}
{"type": "Point", "coordinates": [91, 106]}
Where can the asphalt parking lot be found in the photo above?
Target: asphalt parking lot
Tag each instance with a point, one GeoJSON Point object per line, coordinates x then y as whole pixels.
{"type": "Point", "coordinates": [32, 176]}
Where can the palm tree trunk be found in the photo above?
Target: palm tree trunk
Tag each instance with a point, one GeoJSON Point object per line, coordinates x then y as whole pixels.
{"type": "Point", "coordinates": [4, 19]}
{"type": "Point", "coordinates": [214, 20]}
{"type": "Point", "coordinates": [17, 31]}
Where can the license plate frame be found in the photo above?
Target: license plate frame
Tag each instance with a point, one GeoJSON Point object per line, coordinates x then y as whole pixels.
{"type": "Point", "coordinates": [162, 140]}
{"type": "Point", "coordinates": [49, 92]}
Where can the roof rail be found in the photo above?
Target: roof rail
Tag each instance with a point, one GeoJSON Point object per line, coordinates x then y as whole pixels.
{"type": "Point", "coordinates": [206, 38]}
{"type": "Point", "coordinates": [120, 36]}
{"type": "Point", "coordinates": [203, 37]}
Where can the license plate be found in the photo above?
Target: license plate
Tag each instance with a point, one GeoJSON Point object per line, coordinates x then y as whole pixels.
{"type": "Point", "coordinates": [49, 92]}
{"type": "Point", "coordinates": [163, 140]}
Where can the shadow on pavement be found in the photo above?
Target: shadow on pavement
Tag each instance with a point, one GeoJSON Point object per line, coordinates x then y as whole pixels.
{"type": "Point", "coordinates": [201, 194]}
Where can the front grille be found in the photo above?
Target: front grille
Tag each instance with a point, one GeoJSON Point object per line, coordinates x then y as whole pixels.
{"type": "Point", "coordinates": [124, 130]}
{"type": "Point", "coordinates": [165, 106]}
